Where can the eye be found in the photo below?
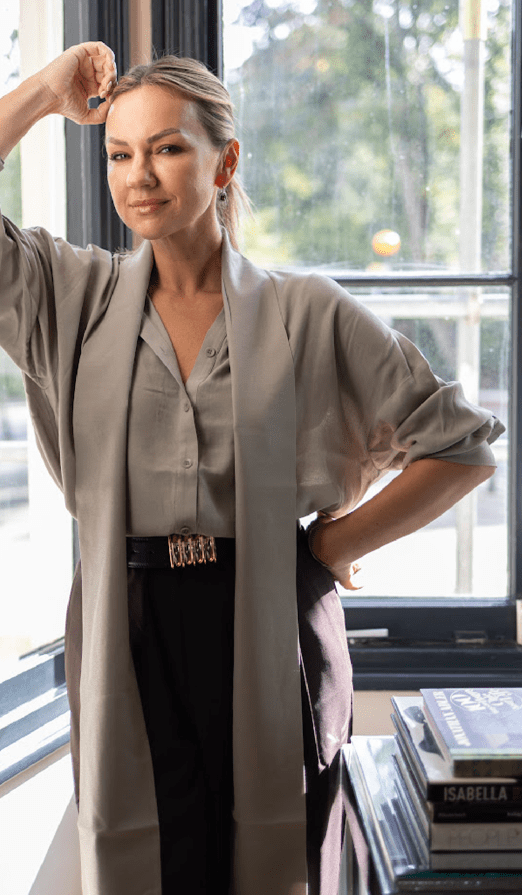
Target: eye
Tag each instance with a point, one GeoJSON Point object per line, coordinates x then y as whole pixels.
{"type": "Point", "coordinates": [171, 148]}
{"type": "Point", "coordinates": [116, 156]}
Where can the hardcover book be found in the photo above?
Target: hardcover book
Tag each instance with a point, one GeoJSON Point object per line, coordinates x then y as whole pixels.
{"type": "Point", "coordinates": [453, 812]}
{"type": "Point", "coordinates": [479, 730]}
{"type": "Point", "coordinates": [475, 837]}
{"type": "Point", "coordinates": [433, 772]}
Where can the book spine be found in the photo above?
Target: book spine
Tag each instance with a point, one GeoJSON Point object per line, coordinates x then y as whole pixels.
{"type": "Point", "coordinates": [459, 793]}
{"type": "Point", "coordinates": [476, 837]}
{"type": "Point", "coordinates": [420, 805]}
{"type": "Point", "coordinates": [480, 861]}
{"type": "Point", "coordinates": [410, 754]}
{"type": "Point", "coordinates": [471, 812]}
{"type": "Point", "coordinates": [487, 767]}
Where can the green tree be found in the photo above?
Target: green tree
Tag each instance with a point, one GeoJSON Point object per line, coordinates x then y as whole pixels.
{"type": "Point", "coordinates": [350, 115]}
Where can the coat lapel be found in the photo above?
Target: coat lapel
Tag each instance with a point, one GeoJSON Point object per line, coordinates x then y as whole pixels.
{"type": "Point", "coordinates": [268, 747]}
{"type": "Point", "coordinates": [117, 804]}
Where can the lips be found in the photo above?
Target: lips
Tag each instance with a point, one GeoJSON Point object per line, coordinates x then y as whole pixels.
{"type": "Point", "coordinates": [149, 203]}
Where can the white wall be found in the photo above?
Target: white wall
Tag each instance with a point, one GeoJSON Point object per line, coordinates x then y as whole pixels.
{"type": "Point", "coordinates": [39, 852]}
{"type": "Point", "coordinates": [372, 709]}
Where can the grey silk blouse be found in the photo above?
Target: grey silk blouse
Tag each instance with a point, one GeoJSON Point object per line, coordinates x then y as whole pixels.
{"type": "Point", "coordinates": [180, 454]}
{"type": "Point", "coordinates": [180, 449]}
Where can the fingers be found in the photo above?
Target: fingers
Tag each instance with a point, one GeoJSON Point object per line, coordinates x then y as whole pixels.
{"type": "Point", "coordinates": [105, 74]}
{"type": "Point", "coordinates": [348, 582]}
{"type": "Point", "coordinates": [99, 65]}
{"type": "Point", "coordinates": [96, 48]}
{"type": "Point", "coordinates": [99, 114]}
{"type": "Point", "coordinates": [105, 91]}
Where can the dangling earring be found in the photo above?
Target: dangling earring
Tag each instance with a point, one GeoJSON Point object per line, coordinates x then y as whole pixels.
{"type": "Point", "coordinates": [222, 193]}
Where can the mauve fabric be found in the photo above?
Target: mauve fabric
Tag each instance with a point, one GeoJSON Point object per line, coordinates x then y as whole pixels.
{"type": "Point", "coordinates": [325, 399]}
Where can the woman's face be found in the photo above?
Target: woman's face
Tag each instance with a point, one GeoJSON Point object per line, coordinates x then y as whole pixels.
{"type": "Point", "coordinates": [162, 166]}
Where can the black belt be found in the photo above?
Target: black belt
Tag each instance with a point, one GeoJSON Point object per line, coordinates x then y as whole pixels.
{"type": "Point", "coordinates": [176, 551]}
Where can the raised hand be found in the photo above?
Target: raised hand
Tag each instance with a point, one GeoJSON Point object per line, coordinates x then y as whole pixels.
{"type": "Point", "coordinates": [80, 73]}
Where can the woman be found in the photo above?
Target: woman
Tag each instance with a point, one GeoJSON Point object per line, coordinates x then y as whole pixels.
{"type": "Point", "coordinates": [190, 404]}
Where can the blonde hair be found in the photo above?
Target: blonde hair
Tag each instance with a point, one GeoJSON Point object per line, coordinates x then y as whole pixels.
{"type": "Point", "coordinates": [215, 112]}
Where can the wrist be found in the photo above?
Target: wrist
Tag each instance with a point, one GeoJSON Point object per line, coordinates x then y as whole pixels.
{"type": "Point", "coordinates": [42, 101]}
{"type": "Point", "coordinates": [328, 546]}
{"type": "Point", "coordinates": [313, 535]}
{"type": "Point", "coordinates": [21, 109]}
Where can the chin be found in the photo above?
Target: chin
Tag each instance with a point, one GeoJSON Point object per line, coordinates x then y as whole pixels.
{"type": "Point", "coordinates": [149, 229]}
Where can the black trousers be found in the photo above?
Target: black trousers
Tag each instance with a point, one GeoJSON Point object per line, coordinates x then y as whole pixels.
{"type": "Point", "coordinates": [182, 641]}
{"type": "Point", "coordinates": [181, 625]}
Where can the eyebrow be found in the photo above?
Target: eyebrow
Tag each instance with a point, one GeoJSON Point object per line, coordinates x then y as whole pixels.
{"type": "Point", "coordinates": [169, 130]}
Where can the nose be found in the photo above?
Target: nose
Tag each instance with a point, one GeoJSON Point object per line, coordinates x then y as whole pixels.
{"type": "Point", "coordinates": [140, 172]}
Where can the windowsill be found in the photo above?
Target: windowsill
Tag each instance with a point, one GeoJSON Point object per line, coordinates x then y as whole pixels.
{"type": "Point", "coordinates": [34, 712]}
{"type": "Point", "coordinates": [39, 727]}
{"type": "Point", "coordinates": [34, 748]}
{"type": "Point", "coordinates": [33, 767]}
{"type": "Point", "coordinates": [401, 665]}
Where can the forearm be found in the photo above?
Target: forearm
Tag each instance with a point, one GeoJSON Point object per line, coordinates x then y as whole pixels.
{"type": "Point", "coordinates": [20, 110]}
{"type": "Point", "coordinates": [425, 490]}
{"type": "Point", "coordinates": [63, 87]}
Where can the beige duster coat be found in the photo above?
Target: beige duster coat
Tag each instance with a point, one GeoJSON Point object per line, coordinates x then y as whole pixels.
{"type": "Point", "coordinates": [325, 398]}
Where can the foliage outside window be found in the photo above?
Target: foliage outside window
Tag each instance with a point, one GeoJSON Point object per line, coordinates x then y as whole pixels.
{"type": "Point", "coordinates": [376, 140]}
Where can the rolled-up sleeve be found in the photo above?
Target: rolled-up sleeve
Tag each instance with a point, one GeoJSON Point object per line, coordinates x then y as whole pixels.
{"type": "Point", "coordinates": [44, 283]}
{"type": "Point", "coordinates": [427, 417]}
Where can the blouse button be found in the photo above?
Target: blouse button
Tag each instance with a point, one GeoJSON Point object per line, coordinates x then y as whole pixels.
{"type": "Point", "coordinates": [211, 352]}
{"type": "Point", "coordinates": [185, 530]}
{"type": "Point", "coordinates": [186, 406]}
{"type": "Point", "coordinates": [187, 464]}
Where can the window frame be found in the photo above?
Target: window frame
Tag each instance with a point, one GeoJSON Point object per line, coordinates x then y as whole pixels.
{"type": "Point", "coordinates": [467, 635]}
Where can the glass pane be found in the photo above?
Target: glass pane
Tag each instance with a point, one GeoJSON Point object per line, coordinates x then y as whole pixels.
{"type": "Point", "coordinates": [14, 493]}
{"type": "Point", "coordinates": [464, 552]}
{"type": "Point", "coordinates": [359, 118]}
{"type": "Point", "coordinates": [35, 536]}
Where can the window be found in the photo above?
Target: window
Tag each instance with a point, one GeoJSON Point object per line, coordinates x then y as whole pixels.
{"type": "Point", "coordinates": [36, 543]}
{"type": "Point", "coordinates": [35, 530]}
{"type": "Point", "coordinates": [384, 152]}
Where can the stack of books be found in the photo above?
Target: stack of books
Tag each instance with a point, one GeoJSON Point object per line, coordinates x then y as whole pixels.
{"type": "Point", "coordinates": [440, 803]}
{"type": "Point", "coordinates": [459, 758]}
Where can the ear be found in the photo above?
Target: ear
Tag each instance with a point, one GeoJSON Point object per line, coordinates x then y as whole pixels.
{"type": "Point", "coordinates": [228, 164]}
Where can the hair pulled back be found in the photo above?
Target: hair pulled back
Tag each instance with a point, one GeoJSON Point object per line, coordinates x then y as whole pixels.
{"type": "Point", "coordinates": [214, 107]}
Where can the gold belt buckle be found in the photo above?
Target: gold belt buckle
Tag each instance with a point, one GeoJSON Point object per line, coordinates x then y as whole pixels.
{"type": "Point", "coordinates": [189, 550]}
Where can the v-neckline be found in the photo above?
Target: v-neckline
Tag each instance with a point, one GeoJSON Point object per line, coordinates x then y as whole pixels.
{"type": "Point", "coordinates": [167, 353]}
